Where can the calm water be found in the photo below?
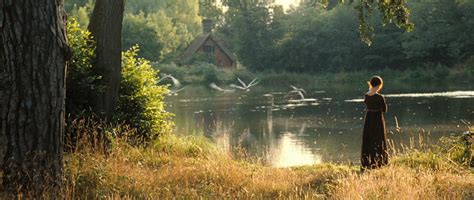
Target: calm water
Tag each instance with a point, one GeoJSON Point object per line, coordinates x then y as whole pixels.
{"type": "Point", "coordinates": [329, 130]}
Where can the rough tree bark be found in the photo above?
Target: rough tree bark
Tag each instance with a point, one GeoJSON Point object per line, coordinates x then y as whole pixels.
{"type": "Point", "coordinates": [106, 28]}
{"type": "Point", "coordinates": [33, 55]}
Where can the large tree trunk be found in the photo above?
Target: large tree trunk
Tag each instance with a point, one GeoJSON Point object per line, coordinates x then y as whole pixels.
{"type": "Point", "coordinates": [106, 28]}
{"type": "Point", "coordinates": [33, 54]}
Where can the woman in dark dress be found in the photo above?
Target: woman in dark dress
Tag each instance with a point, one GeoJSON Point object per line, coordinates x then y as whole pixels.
{"type": "Point", "coordinates": [374, 140]}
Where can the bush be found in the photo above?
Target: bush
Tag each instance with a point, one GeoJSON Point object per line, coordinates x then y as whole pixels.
{"type": "Point", "coordinates": [140, 103]}
{"type": "Point", "coordinates": [141, 98]}
{"type": "Point", "coordinates": [441, 72]}
{"type": "Point", "coordinates": [81, 79]}
{"type": "Point", "coordinates": [422, 160]}
{"type": "Point", "coordinates": [458, 148]}
{"type": "Point", "coordinates": [449, 153]}
{"type": "Point", "coordinates": [469, 67]}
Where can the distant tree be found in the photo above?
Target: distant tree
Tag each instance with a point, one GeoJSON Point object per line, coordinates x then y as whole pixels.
{"type": "Point", "coordinates": [137, 29]}
{"type": "Point", "coordinates": [69, 5]}
{"type": "Point", "coordinates": [395, 12]}
{"type": "Point", "coordinates": [106, 28]}
{"type": "Point", "coordinates": [80, 11]}
{"type": "Point", "coordinates": [466, 7]}
{"type": "Point", "coordinates": [33, 55]}
{"type": "Point", "coordinates": [248, 29]}
{"type": "Point", "coordinates": [444, 32]}
{"type": "Point", "coordinates": [162, 30]}
{"type": "Point", "coordinates": [320, 40]}
{"type": "Point", "coordinates": [210, 9]}
{"type": "Point", "coordinates": [147, 6]}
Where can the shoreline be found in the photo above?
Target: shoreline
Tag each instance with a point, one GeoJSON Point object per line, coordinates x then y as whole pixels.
{"type": "Point", "coordinates": [205, 73]}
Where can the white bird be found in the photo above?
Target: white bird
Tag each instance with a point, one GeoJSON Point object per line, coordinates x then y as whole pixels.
{"type": "Point", "coordinates": [300, 92]}
{"type": "Point", "coordinates": [243, 86]}
{"type": "Point", "coordinates": [175, 92]}
{"type": "Point", "coordinates": [298, 89]}
{"type": "Point", "coordinates": [302, 129]}
{"type": "Point", "coordinates": [214, 86]}
{"type": "Point", "coordinates": [176, 83]}
{"type": "Point", "coordinates": [295, 92]}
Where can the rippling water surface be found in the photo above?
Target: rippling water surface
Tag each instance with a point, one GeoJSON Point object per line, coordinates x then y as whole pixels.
{"type": "Point", "coordinates": [287, 133]}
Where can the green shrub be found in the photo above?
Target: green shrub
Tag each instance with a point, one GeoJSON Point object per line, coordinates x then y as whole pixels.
{"type": "Point", "coordinates": [449, 153]}
{"type": "Point", "coordinates": [81, 79]}
{"type": "Point", "coordinates": [192, 145]}
{"type": "Point", "coordinates": [178, 72]}
{"type": "Point", "coordinates": [422, 160]}
{"type": "Point", "coordinates": [457, 149]}
{"type": "Point", "coordinates": [441, 72]}
{"type": "Point", "coordinates": [207, 71]}
{"type": "Point", "coordinates": [141, 98]}
{"type": "Point", "coordinates": [469, 67]}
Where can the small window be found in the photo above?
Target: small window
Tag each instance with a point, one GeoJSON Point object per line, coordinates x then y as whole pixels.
{"type": "Point", "coordinates": [209, 49]}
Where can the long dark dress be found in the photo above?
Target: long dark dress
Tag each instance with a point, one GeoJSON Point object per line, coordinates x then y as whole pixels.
{"type": "Point", "coordinates": [374, 140]}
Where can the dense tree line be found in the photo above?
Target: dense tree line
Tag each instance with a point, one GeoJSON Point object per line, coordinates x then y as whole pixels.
{"type": "Point", "coordinates": [315, 36]}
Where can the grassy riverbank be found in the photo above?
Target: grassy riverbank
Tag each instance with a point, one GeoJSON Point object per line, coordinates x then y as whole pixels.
{"type": "Point", "coordinates": [206, 73]}
{"type": "Point", "coordinates": [191, 167]}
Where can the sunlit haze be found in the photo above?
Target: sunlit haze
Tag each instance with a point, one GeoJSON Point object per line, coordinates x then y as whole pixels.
{"type": "Point", "coordinates": [287, 3]}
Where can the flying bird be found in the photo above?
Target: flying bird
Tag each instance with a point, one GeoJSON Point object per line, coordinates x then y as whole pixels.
{"type": "Point", "coordinates": [215, 87]}
{"type": "Point", "coordinates": [298, 89]}
{"type": "Point", "coordinates": [175, 81]}
{"type": "Point", "coordinates": [175, 92]}
{"type": "Point", "coordinates": [300, 92]}
{"type": "Point", "coordinates": [243, 86]}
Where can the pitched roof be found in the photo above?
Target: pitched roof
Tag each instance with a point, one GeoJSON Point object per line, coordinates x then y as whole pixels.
{"type": "Point", "coordinates": [196, 43]}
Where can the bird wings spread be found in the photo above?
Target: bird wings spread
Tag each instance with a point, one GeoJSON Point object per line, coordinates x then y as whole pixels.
{"type": "Point", "coordinates": [253, 82]}
{"type": "Point", "coordinates": [214, 86]}
{"type": "Point", "coordinates": [238, 87]}
{"type": "Point", "coordinates": [241, 82]}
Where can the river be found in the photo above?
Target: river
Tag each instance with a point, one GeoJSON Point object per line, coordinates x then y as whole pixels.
{"type": "Point", "coordinates": [285, 133]}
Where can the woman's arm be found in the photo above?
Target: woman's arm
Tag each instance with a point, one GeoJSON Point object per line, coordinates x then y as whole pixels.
{"type": "Point", "coordinates": [383, 105]}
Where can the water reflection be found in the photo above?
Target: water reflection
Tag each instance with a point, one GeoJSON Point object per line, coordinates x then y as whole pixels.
{"type": "Point", "coordinates": [262, 122]}
{"type": "Point", "coordinates": [291, 151]}
{"type": "Point", "coordinates": [453, 94]}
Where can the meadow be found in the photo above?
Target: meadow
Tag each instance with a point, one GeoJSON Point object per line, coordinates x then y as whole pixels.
{"type": "Point", "coordinates": [186, 167]}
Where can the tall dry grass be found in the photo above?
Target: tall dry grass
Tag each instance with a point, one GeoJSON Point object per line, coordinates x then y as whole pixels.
{"type": "Point", "coordinates": [401, 182]}
{"type": "Point", "coordinates": [191, 167]}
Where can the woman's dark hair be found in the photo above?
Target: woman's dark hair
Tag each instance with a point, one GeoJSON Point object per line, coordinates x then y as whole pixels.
{"type": "Point", "coordinates": [376, 81]}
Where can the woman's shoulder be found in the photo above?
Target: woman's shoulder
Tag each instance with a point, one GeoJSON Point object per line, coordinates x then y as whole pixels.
{"type": "Point", "coordinates": [374, 96]}
{"type": "Point", "coordinates": [380, 97]}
